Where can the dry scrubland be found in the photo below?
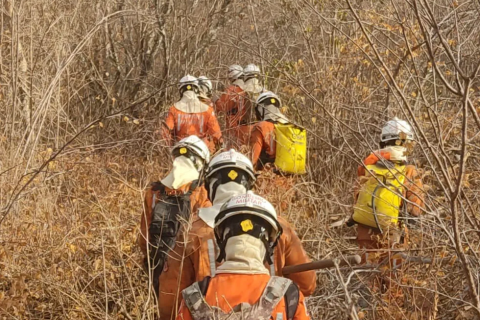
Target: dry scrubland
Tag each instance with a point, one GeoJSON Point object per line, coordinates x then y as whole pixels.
{"type": "Point", "coordinates": [83, 85]}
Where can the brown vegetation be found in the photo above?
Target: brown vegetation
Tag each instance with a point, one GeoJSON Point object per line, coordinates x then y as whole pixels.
{"type": "Point", "coordinates": [83, 85]}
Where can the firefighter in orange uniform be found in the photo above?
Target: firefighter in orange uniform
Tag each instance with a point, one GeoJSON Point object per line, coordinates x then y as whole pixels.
{"type": "Point", "coordinates": [230, 173]}
{"type": "Point", "coordinates": [246, 231]}
{"type": "Point", "coordinates": [262, 140]}
{"type": "Point", "coordinates": [236, 107]}
{"type": "Point", "coordinates": [190, 116]}
{"type": "Point", "coordinates": [396, 138]}
{"type": "Point", "coordinates": [172, 201]}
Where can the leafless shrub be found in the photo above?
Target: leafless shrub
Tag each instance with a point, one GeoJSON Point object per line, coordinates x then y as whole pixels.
{"type": "Point", "coordinates": [88, 81]}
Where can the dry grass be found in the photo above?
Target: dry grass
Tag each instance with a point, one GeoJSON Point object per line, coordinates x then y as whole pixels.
{"type": "Point", "coordinates": [87, 93]}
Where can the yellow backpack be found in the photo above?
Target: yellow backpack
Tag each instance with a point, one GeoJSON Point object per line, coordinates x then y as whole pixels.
{"type": "Point", "coordinates": [291, 148]}
{"type": "Point", "coordinates": [380, 197]}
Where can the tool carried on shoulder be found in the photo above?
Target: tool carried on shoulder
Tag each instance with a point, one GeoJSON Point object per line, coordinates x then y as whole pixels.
{"type": "Point", "coordinates": [322, 264]}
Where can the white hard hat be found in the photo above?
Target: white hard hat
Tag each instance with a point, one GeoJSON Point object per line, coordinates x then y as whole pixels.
{"type": "Point", "coordinates": [204, 81]}
{"type": "Point", "coordinates": [195, 145]}
{"type": "Point", "coordinates": [205, 85]}
{"type": "Point", "coordinates": [272, 98]}
{"type": "Point", "coordinates": [229, 166]}
{"type": "Point", "coordinates": [235, 71]}
{"type": "Point", "coordinates": [264, 101]}
{"type": "Point", "coordinates": [231, 159]}
{"type": "Point", "coordinates": [251, 69]}
{"type": "Point", "coordinates": [186, 81]}
{"type": "Point", "coordinates": [394, 128]}
{"type": "Point", "coordinates": [248, 204]}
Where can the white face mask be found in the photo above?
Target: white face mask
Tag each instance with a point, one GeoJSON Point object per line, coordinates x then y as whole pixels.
{"type": "Point", "coordinates": [183, 171]}
{"type": "Point", "coordinates": [253, 85]}
{"type": "Point", "coordinates": [239, 82]}
{"type": "Point", "coordinates": [274, 114]}
{"type": "Point", "coordinates": [244, 254]}
{"type": "Point", "coordinates": [223, 193]}
{"type": "Point", "coordinates": [189, 95]}
{"type": "Point", "coordinates": [190, 103]}
{"type": "Point", "coordinates": [397, 153]}
{"type": "Point", "coordinates": [227, 190]}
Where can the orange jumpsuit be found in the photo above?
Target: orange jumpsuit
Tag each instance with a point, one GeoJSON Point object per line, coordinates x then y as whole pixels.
{"type": "Point", "coordinates": [237, 108]}
{"type": "Point", "coordinates": [179, 125]}
{"type": "Point", "coordinates": [228, 290]}
{"type": "Point", "coordinates": [368, 237]}
{"type": "Point", "coordinates": [197, 264]}
{"type": "Point", "coordinates": [262, 142]}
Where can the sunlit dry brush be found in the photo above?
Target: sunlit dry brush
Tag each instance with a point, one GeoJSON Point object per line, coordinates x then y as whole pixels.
{"type": "Point", "coordinates": [84, 84]}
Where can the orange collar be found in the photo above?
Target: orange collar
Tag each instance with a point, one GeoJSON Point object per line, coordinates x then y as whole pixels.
{"type": "Point", "coordinates": [178, 192]}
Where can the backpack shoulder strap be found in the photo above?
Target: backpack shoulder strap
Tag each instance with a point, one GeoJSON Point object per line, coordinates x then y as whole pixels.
{"type": "Point", "coordinates": [272, 295]}
{"type": "Point", "coordinates": [157, 186]}
{"type": "Point", "coordinates": [195, 300]}
{"type": "Point", "coordinates": [292, 298]}
{"type": "Point", "coordinates": [203, 285]}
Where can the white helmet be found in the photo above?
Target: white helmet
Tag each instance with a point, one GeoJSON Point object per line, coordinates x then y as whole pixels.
{"type": "Point", "coordinates": [226, 167]}
{"type": "Point", "coordinates": [234, 72]}
{"type": "Point", "coordinates": [266, 99]}
{"type": "Point", "coordinates": [247, 213]}
{"type": "Point", "coordinates": [251, 71]}
{"type": "Point", "coordinates": [188, 83]}
{"type": "Point", "coordinates": [396, 129]}
{"type": "Point", "coordinates": [193, 144]}
{"type": "Point", "coordinates": [272, 98]}
{"type": "Point", "coordinates": [205, 85]}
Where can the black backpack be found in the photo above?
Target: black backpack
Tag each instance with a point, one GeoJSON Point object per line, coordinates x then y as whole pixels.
{"type": "Point", "coordinates": [168, 213]}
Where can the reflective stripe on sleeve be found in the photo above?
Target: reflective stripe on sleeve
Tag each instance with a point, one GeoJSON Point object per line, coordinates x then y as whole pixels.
{"type": "Point", "coordinates": [211, 256]}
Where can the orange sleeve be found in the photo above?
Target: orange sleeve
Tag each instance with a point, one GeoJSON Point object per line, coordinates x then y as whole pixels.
{"type": "Point", "coordinates": [200, 200]}
{"type": "Point", "coordinates": [168, 127]}
{"type": "Point", "coordinates": [146, 219]}
{"type": "Point", "coordinates": [415, 194]}
{"type": "Point", "coordinates": [213, 128]}
{"type": "Point", "coordinates": [184, 313]}
{"type": "Point", "coordinates": [372, 159]}
{"type": "Point", "coordinates": [295, 254]}
{"type": "Point", "coordinates": [221, 105]}
{"type": "Point", "coordinates": [302, 312]}
{"type": "Point", "coordinates": [256, 143]}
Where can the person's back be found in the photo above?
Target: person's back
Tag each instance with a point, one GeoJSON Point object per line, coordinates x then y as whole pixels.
{"type": "Point", "coordinates": [246, 231]}
{"type": "Point", "coordinates": [232, 104]}
{"type": "Point", "coordinates": [230, 173]}
{"type": "Point", "coordinates": [262, 140]}
{"type": "Point", "coordinates": [236, 107]}
{"type": "Point", "coordinates": [190, 116]}
{"type": "Point", "coordinates": [171, 202]}
{"type": "Point", "coordinates": [227, 292]}
{"type": "Point", "coordinates": [229, 102]}
{"type": "Point", "coordinates": [387, 230]}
